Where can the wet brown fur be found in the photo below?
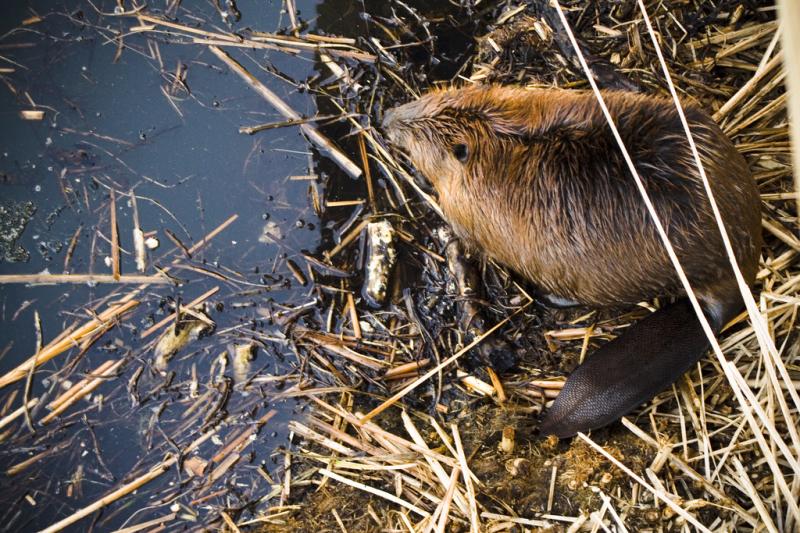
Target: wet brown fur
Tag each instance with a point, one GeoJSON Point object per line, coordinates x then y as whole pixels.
{"type": "Point", "coordinates": [544, 190]}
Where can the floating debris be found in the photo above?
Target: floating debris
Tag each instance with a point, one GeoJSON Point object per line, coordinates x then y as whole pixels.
{"type": "Point", "coordinates": [138, 247]}
{"type": "Point", "coordinates": [32, 114]}
{"type": "Point", "coordinates": [14, 216]}
{"type": "Point", "coordinates": [178, 336]}
{"type": "Point", "coordinates": [243, 357]}
{"type": "Point", "coordinates": [271, 233]}
{"type": "Point", "coordinates": [381, 257]}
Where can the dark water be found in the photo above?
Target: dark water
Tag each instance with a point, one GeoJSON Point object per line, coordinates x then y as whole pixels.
{"type": "Point", "coordinates": [108, 124]}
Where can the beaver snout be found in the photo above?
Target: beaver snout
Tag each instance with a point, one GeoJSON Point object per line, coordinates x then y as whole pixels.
{"type": "Point", "coordinates": [391, 125]}
{"type": "Point", "coordinates": [395, 128]}
{"type": "Point", "coordinates": [397, 120]}
{"type": "Point", "coordinates": [389, 119]}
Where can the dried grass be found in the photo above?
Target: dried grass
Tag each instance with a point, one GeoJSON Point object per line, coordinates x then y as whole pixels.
{"type": "Point", "coordinates": [444, 444]}
{"type": "Point", "coordinates": [736, 419]}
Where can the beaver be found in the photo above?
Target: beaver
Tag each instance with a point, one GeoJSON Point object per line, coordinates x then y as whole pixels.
{"type": "Point", "coordinates": [534, 179]}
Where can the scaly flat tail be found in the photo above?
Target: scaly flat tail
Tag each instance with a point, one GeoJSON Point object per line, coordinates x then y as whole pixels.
{"type": "Point", "coordinates": [631, 369]}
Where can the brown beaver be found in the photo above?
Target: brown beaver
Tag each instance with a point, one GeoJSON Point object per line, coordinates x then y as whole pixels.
{"type": "Point", "coordinates": [535, 180]}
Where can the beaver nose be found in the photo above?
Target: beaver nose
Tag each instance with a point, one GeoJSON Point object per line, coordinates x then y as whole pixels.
{"type": "Point", "coordinates": [389, 119]}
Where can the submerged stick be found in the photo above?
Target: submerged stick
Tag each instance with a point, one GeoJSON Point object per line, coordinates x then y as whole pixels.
{"type": "Point", "coordinates": [83, 391]}
{"type": "Point", "coordinates": [313, 134]}
{"type": "Point", "coordinates": [37, 322]}
{"type": "Point", "coordinates": [112, 497]}
{"type": "Point", "coordinates": [67, 342]}
{"type": "Point", "coordinates": [72, 391]}
{"type": "Point", "coordinates": [216, 231]}
{"type": "Point", "coordinates": [126, 489]}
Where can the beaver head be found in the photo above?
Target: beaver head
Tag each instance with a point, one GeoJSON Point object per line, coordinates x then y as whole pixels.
{"type": "Point", "coordinates": [449, 134]}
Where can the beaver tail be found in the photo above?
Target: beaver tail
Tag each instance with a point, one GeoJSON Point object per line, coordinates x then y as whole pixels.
{"type": "Point", "coordinates": [633, 368]}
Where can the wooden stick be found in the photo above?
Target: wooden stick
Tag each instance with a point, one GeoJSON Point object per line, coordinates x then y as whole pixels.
{"type": "Point", "coordinates": [83, 392]}
{"type": "Point", "coordinates": [229, 522]}
{"type": "Point", "coordinates": [32, 114]}
{"type": "Point", "coordinates": [160, 521]}
{"type": "Point", "coordinates": [138, 236]}
{"type": "Point", "coordinates": [347, 239]}
{"type": "Point", "coordinates": [249, 44]}
{"type": "Point", "coordinates": [191, 305]}
{"type": "Point", "coordinates": [199, 244]}
{"type": "Point", "coordinates": [23, 465]}
{"type": "Point", "coordinates": [534, 523]}
{"type": "Point", "coordinates": [362, 147]}
{"type": "Point", "coordinates": [351, 304]}
{"type": "Point", "coordinates": [778, 231]}
{"type": "Point", "coordinates": [547, 383]}
{"type": "Point", "coordinates": [416, 383]}
{"type": "Point", "coordinates": [292, 11]}
{"type": "Point", "coordinates": [313, 134]}
{"type": "Point", "coordinates": [114, 238]}
{"type": "Point", "coordinates": [307, 433]}
{"type": "Point", "coordinates": [127, 488]}
{"type": "Point", "coordinates": [29, 378]}
{"type": "Point", "coordinates": [73, 242]}
{"type": "Point", "coordinates": [344, 351]}
{"type": "Point", "coordinates": [750, 490]}
{"type": "Point", "coordinates": [406, 368]}
{"type": "Point", "coordinates": [67, 342]}
{"type": "Point", "coordinates": [6, 420]}
{"type": "Point", "coordinates": [69, 393]}
{"type": "Point", "coordinates": [51, 279]}
{"type": "Point", "coordinates": [497, 384]}
{"type": "Point", "coordinates": [189, 29]}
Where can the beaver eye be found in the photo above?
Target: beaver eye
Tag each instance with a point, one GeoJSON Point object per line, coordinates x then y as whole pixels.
{"type": "Point", "coordinates": [461, 152]}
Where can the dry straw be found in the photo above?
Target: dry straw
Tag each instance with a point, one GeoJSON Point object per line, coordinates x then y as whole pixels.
{"type": "Point", "coordinates": [694, 459]}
